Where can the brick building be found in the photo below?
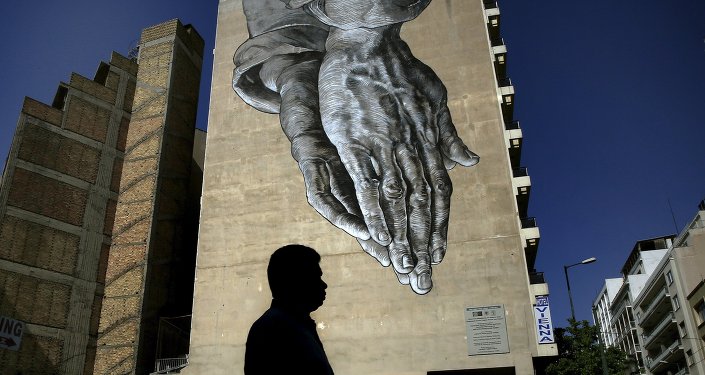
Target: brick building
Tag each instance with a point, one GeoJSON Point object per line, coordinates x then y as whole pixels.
{"type": "Point", "coordinates": [98, 206]}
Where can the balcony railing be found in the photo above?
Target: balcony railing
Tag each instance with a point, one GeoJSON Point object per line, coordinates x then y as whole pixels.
{"type": "Point", "coordinates": [652, 362]}
{"type": "Point", "coordinates": [167, 365]}
{"type": "Point", "coordinates": [656, 301]}
{"type": "Point", "coordinates": [489, 4]}
{"type": "Point", "coordinates": [520, 172]}
{"type": "Point", "coordinates": [512, 125]}
{"type": "Point", "coordinates": [651, 335]}
{"type": "Point", "coordinates": [536, 278]}
{"type": "Point", "coordinates": [617, 311]}
{"type": "Point", "coordinates": [504, 82]}
{"type": "Point", "coordinates": [528, 222]}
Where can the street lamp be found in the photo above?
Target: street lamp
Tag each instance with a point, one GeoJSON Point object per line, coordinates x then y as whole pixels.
{"type": "Point", "coordinates": [567, 282]}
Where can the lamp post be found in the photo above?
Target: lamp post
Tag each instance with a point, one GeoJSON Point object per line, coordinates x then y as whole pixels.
{"type": "Point", "coordinates": [567, 282]}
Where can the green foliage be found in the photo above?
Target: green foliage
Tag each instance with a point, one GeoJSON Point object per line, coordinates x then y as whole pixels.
{"type": "Point", "coordinates": [580, 352]}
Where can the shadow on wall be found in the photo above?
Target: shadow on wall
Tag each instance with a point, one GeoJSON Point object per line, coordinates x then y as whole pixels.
{"type": "Point", "coordinates": [37, 354]}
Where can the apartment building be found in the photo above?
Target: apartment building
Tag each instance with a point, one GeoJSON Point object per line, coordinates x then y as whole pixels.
{"type": "Point", "coordinates": [656, 314]}
{"type": "Point", "coordinates": [667, 321]}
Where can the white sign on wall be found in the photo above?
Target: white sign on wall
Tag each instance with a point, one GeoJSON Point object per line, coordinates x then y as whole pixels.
{"type": "Point", "coordinates": [10, 333]}
{"type": "Point", "coordinates": [542, 317]}
{"type": "Point", "coordinates": [487, 330]}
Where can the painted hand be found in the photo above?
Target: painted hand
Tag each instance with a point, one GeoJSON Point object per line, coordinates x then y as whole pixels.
{"type": "Point", "coordinates": [386, 113]}
{"type": "Point", "coordinates": [329, 188]}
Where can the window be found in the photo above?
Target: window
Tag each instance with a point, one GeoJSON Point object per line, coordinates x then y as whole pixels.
{"type": "Point", "coordinates": [681, 329]}
{"type": "Point", "coordinates": [700, 311]}
{"type": "Point", "coordinates": [689, 357]}
{"type": "Point", "coordinates": [676, 304]}
{"type": "Point", "coordinates": [669, 277]}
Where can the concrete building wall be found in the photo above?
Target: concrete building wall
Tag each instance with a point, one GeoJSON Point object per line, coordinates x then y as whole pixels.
{"type": "Point", "coordinates": [689, 259]}
{"type": "Point", "coordinates": [651, 259]}
{"type": "Point", "coordinates": [56, 212]}
{"type": "Point", "coordinates": [254, 202]}
{"type": "Point", "coordinates": [150, 238]}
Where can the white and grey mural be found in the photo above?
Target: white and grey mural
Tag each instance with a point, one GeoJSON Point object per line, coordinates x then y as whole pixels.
{"type": "Point", "coordinates": [368, 123]}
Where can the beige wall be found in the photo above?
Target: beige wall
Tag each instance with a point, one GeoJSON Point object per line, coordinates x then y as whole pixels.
{"type": "Point", "coordinates": [254, 201]}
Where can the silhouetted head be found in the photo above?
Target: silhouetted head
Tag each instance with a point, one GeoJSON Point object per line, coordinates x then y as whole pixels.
{"type": "Point", "coordinates": [295, 277]}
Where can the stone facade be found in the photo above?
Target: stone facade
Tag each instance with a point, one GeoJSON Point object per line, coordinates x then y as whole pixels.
{"type": "Point", "coordinates": [254, 201]}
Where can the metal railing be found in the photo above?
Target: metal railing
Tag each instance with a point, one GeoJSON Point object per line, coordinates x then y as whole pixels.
{"type": "Point", "coordinates": [172, 343]}
{"type": "Point", "coordinates": [489, 4]}
{"type": "Point", "coordinates": [504, 82]}
{"type": "Point", "coordinates": [166, 365]}
{"type": "Point", "coordinates": [496, 42]}
{"type": "Point", "coordinates": [520, 172]}
{"type": "Point", "coordinates": [536, 278]}
{"type": "Point", "coordinates": [528, 222]}
{"type": "Point", "coordinates": [512, 125]}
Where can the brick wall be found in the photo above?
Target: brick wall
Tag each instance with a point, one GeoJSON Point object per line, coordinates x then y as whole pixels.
{"type": "Point", "coordinates": [37, 245]}
{"type": "Point", "coordinates": [158, 149]}
{"type": "Point", "coordinates": [47, 197]}
{"type": "Point", "coordinates": [57, 207]}
{"type": "Point", "coordinates": [87, 119]}
{"type": "Point", "coordinates": [33, 300]}
{"type": "Point", "coordinates": [39, 355]}
{"type": "Point", "coordinates": [42, 111]}
{"type": "Point", "coordinates": [54, 151]}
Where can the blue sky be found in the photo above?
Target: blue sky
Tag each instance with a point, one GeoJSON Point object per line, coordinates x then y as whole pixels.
{"type": "Point", "coordinates": [610, 96]}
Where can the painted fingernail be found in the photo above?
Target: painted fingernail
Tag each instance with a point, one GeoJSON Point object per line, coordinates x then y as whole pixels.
{"type": "Point", "coordinates": [474, 158]}
{"type": "Point", "coordinates": [407, 262]}
{"type": "Point", "coordinates": [424, 281]}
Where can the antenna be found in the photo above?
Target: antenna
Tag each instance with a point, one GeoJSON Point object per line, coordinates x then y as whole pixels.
{"type": "Point", "coordinates": [673, 216]}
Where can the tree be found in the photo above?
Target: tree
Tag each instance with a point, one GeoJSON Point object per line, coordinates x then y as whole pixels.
{"type": "Point", "coordinates": [580, 352]}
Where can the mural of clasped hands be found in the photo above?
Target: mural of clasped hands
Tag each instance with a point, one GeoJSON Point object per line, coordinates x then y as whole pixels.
{"type": "Point", "coordinates": [368, 122]}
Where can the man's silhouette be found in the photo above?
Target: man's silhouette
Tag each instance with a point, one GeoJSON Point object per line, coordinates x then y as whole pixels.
{"type": "Point", "coordinates": [284, 339]}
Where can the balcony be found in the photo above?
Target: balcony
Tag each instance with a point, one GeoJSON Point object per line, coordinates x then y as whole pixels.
{"type": "Point", "coordinates": [513, 137]}
{"type": "Point", "coordinates": [489, 4]}
{"type": "Point", "coordinates": [667, 355]}
{"type": "Point", "coordinates": [499, 54]}
{"type": "Point", "coordinates": [617, 311]}
{"type": "Point", "coordinates": [658, 306]}
{"type": "Point", "coordinates": [530, 234]}
{"type": "Point", "coordinates": [536, 278]}
{"type": "Point", "coordinates": [521, 182]}
{"type": "Point", "coordinates": [660, 333]}
{"type": "Point", "coordinates": [506, 92]}
{"type": "Point", "coordinates": [492, 18]}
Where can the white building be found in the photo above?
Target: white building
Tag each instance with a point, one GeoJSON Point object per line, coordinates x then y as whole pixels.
{"type": "Point", "coordinates": [655, 312]}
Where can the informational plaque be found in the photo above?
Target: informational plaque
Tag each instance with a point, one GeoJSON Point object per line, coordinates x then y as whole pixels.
{"type": "Point", "coordinates": [487, 330]}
